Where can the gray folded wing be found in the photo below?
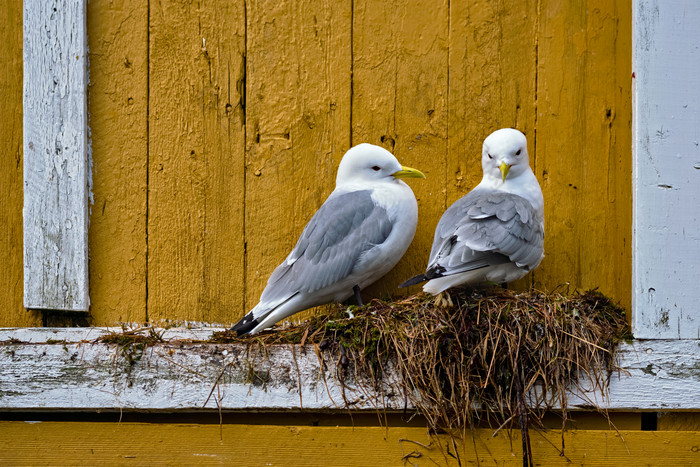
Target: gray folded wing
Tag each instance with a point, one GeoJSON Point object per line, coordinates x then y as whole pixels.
{"type": "Point", "coordinates": [346, 226]}
{"type": "Point", "coordinates": [486, 228]}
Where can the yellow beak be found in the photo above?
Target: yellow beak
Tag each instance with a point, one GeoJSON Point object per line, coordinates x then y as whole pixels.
{"type": "Point", "coordinates": [504, 171]}
{"type": "Point", "coordinates": [408, 172]}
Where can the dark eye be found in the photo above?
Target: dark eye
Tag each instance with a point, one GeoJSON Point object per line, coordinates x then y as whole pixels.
{"type": "Point", "coordinates": [518, 153]}
{"type": "Point", "coordinates": [376, 168]}
{"type": "Point", "coordinates": [490, 156]}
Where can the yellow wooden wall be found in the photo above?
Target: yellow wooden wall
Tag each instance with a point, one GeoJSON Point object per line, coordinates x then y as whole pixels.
{"type": "Point", "coordinates": [217, 127]}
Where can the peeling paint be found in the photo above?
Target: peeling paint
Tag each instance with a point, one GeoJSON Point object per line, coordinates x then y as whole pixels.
{"type": "Point", "coordinates": [187, 375]}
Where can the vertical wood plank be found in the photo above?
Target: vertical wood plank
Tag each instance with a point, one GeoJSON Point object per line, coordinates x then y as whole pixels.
{"type": "Point", "coordinates": [666, 169]}
{"type": "Point", "coordinates": [12, 312]}
{"type": "Point", "coordinates": [298, 123]}
{"type": "Point", "coordinates": [583, 144]}
{"type": "Point", "coordinates": [493, 67]}
{"type": "Point", "coordinates": [195, 160]}
{"type": "Point", "coordinates": [118, 100]}
{"type": "Point", "coordinates": [400, 101]}
{"type": "Point", "coordinates": [55, 156]}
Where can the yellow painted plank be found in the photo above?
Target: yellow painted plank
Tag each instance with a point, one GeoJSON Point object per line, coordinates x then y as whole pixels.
{"type": "Point", "coordinates": [583, 152]}
{"type": "Point", "coordinates": [195, 160]}
{"type": "Point", "coordinates": [75, 443]}
{"type": "Point", "coordinates": [400, 101]}
{"type": "Point", "coordinates": [118, 45]}
{"type": "Point", "coordinates": [493, 65]}
{"type": "Point", "coordinates": [12, 312]}
{"type": "Point", "coordinates": [297, 123]}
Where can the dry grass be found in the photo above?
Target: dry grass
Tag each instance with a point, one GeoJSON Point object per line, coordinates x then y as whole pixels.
{"type": "Point", "coordinates": [495, 356]}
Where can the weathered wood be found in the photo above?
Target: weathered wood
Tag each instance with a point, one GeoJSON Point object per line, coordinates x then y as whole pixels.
{"type": "Point", "coordinates": [176, 376]}
{"type": "Point", "coordinates": [12, 312]}
{"type": "Point", "coordinates": [56, 149]}
{"type": "Point", "coordinates": [400, 101]}
{"type": "Point", "coordinates": [196, 160]}
{"type": "Point", "coordinates": [313, 64]}
{"type": "Point", "coordinates": [236, 444]}
{"type": "Point", "coordinates": [667, 169]}
{"type": "Point", "coordinates": [492, 80]}
{"type": "Point", "coordinates": [72, 372]}
{"type": "Point", "coordinates": [118, 44]}
{"type": "Point", "coordinates": [582, 145]}
{"type": "Point", "coordinates": [298, 83]}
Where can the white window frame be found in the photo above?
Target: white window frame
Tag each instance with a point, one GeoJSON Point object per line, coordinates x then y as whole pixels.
{"type": "Point", "coordinates": [666, 180]}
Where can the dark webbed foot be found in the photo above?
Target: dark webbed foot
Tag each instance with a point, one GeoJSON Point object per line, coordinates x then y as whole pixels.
{"type": "Point", "coordinates": [356, 291]}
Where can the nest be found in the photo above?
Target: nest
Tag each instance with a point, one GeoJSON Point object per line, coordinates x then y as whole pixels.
{"type": "Point", "coordinates": [493, 356]}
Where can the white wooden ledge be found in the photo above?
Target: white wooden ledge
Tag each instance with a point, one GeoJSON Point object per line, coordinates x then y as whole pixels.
{"type": "Point", "coordinates": [71, 372]}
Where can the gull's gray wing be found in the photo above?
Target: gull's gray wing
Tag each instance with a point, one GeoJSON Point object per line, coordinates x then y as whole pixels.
{"type": "Point", "coordinates": [485, 228]}
{"type": "Point", "coordinates": [344, 227]}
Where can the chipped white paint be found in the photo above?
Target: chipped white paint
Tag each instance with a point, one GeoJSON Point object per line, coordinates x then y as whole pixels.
{"type": "Point", "coordinates": [666, 132]}
{"type": "Point", "coordinates": [179, 375]}
{"type": "Point", "coordinates": [55, 156]}
{"type": "Point", "coordinates": [79, 374]}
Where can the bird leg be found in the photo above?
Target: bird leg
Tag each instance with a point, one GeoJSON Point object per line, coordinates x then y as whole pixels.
{"type": "Point", "coordinates": [443, 300]}
{"type": "Point", "coordinates": [356, 290]}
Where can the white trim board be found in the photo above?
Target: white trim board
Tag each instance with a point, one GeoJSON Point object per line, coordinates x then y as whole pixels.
{"type": "Point", "coordinates": [77, 374]}
{"type": "Point", "coordinates": [666, 161]}
{"type": "Point", "coordinates": [56, 170]}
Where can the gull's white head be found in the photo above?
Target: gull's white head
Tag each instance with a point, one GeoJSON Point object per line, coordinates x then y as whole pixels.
{"type": "Point", "coordinates": [369, 163]}
{"type": "Point", "coordinates": [504, 155]}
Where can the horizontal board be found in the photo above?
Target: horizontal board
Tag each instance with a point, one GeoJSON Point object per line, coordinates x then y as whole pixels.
{"type": "Point", "coordinates": [65, 369]}
{"type": "Point", "coordinates": [32, 443]}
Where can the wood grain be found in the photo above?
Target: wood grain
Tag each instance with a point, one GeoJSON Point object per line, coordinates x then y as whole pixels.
{"type": "Point", "coordinates": [400, 101]}
{"type": "Point", "coordinates": [217, 130]}
{"type": "Point", "coordinates": [297, 123]}
{"type": "Point", "coordinates": [667, 170]}
{"type": "Point", "coordinates": [493, 58]}
{"type": "Point", "coordinates": [184, 444]}
{"type": "Point", "coordinates": [56, 172]}
{"type": "Point", "coordinates": [64, 369]}
{"type": "Point", "coordinates": [195, 160]}
{"type": "Point", "coordinates": [582, 145]}
{"type": "Point", "coordinates": [118, 105]}
{"type": "Point", "coordinates": [12, 310]}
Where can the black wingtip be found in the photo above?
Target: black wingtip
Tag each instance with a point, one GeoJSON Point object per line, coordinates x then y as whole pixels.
{"type": "Point", "coordinates": [245, 325]}
{"type": "Point", "coordinates": [432, 273]}
{"type": "Point", "coordinates": [413, 281]}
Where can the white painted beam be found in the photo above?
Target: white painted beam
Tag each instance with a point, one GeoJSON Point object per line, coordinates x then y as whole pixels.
{"type": "Point", "coordinates": [666, 180]}
{"type": "Point", "coordinates": [56, 169]}
{"type": "Point", "coordinates": [179, 375]}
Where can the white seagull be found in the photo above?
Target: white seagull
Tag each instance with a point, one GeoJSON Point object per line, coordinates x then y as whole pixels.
{"type": "Point", "coordinates": [357, 235]}
{"type": "Point", "coordinates": [495, 233]}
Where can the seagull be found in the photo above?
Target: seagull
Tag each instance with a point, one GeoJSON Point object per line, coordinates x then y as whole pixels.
{"type": "Point", "coordinates": [357, 235]}
{"type": "Point", "coordinates": [495, 233]}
